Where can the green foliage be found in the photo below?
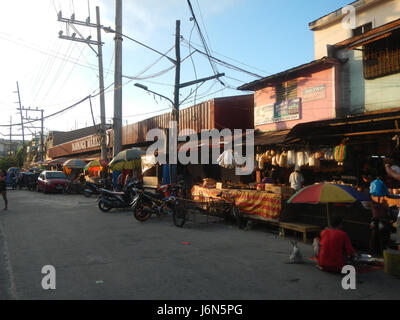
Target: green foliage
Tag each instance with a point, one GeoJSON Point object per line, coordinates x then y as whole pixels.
{"type": "Point", "coordinates": [16, 160]}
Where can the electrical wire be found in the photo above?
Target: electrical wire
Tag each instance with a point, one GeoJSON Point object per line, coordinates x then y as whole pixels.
{"type": "Point", "coordinates": [213, 66]}
{"type": "Point", "coordinates": [227, 64]}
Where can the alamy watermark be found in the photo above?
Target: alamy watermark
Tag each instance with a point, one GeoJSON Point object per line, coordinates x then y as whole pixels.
{"type": "Point", "coordinates": [349, 22]}
{"type": "Point", "coordinates": [239, 143]}
{"type": "Point", "coordinates": [49, 280]}
{"type": "Point", "coordinates": [349, 280]}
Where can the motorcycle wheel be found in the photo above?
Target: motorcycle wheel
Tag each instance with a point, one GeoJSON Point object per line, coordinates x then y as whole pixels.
{"type": "Point", "coordinates": [103, 207]}
{"type": "Point", "coordinates": [179, 216]}
{"type": "Point", "coordinates": [141, 214]}
{"type": "Point", "coordinates": [87, 194]}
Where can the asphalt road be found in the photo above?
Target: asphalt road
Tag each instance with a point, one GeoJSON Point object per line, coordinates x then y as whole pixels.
{"type": "Point", "coordinates": [112, 256]}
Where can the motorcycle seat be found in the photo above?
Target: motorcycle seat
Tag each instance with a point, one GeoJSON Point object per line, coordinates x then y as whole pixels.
{"type": "Point", "coordinates": [112, 192]}
{"type": "Point", "coordinates": [154, 195]}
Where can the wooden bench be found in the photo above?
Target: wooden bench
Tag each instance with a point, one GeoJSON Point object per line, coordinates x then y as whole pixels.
{"type": "Point", "coordinates": [299, 227]}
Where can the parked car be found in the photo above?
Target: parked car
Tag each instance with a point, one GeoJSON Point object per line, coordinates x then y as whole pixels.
{"type": "Point", "coordinates": [50, 181]}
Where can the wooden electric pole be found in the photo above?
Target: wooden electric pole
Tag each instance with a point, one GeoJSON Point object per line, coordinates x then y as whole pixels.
{"type": "Point", "coordinates": [117, 125]}
{"type": "Point", "coordinates": [99, 54]}
{"type": "Point", "coordinates": [22, 117]}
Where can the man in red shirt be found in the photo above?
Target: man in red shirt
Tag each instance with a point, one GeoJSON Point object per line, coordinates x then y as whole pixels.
{"type": "Point", "coordinates": [335, 247]}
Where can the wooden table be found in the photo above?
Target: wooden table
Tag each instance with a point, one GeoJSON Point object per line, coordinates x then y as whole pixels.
{"type": "Point", "coordinates": [300, 227]}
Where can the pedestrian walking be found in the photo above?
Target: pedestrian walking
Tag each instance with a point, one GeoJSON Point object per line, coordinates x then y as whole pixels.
{"type": "Point", "coordinates": [3, 187]}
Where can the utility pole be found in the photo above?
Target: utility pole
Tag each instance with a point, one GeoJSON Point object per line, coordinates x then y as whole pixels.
{"type": "Point", "coordinates": [22, 117]}
{"type": "Point", "coordinates": [176, 94]}
{"type": "Point", "coordinates": [99, 54]}
{"type": "Point", "coordinates": [41, 128]}
{"type": "Point", "coordinates": [101, 83]}
{"type": "Point", "coordinates": [10, 135]}
{"type": "Point", "coordinates": [117, 125]}
{"type": "Point", "coordinates": [41, 137]}
{"type": "Point", "coordinates": [177, 71]}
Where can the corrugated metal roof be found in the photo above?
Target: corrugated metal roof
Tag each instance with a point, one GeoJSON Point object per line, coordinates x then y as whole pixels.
{"type": "Point", "coordinates": [270, 138]}
{"type": "Point", "coordinates": [287, 75]}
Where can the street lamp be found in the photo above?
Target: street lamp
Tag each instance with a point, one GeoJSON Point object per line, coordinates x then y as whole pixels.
{"type": "Point", "coordinates": [143, 87]}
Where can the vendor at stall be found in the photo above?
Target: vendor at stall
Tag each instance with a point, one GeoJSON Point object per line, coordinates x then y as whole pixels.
{"type": "Point", "coordinates": [392, 172]}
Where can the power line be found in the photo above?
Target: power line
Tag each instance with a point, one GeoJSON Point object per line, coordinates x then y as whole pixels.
{"type": "Point", "coordinates": [213, 67]}
{"type": "Point", "coordinates": [228, 65]}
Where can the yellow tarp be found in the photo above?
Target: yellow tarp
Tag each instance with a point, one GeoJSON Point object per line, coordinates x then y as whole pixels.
{"type": "Point", "coordinates": [260, 203]}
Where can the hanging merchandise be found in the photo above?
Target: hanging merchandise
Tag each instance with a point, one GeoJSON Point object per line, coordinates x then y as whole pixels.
{"type": "Point", "coordinates": [307, 156]}
{"type": "Point", "coordinates": [277, 158]}
{"type": "Point", "coordinates": [315, 160]}
{"type": "Point", "coordinates": [226, 159]}
{"type": "Point", "coordinates": [260, 162]}
{"type": "Point", "coordinates": [340, 154]}
{"type": "Point", "coordinates": [300, 158]}
{"type": "Point", "coordinates": [268, 156]}
{"type": "Point", "coordinates": [274, 161]}
{"type": "Point", "coordinates": [291, 158]}
{"type": "Point", "coordinates": [319, 155]}
{"type": "Point", "coordinates": [311, 161]}
{"type": "Point", "coordinates": [283, 160]}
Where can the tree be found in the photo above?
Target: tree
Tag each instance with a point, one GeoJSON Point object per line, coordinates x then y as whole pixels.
{"type": "Point", "coordinates": [16, 160]}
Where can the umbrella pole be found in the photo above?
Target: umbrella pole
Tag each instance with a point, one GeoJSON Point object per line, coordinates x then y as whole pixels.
{"type": "Point", "coordinates": [328, 215]}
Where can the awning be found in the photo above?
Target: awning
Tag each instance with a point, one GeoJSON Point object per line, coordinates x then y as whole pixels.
{"type": "Point", "coordinates": [270, 138]}
{"type": "Point", "coordinates": [352, 126]}
{"type": "Point", "coordinates": [370, 36]}
{"type": "Point", "coordinates": [57, 161]}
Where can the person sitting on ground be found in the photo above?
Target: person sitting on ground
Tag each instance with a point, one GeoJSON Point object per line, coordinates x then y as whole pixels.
{"type": "Point", "coordinates": [334, 250]}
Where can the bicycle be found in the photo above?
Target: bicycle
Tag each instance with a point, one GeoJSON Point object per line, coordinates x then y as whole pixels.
{"type": "Point", "coordinates": [223, 206]}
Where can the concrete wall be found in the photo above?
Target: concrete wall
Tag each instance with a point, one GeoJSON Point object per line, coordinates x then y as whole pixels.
{"type": "Point", "coordinates": [320, 109]}
{"type": "Point", "coordinates": [359, 95]}
{"type": "Point", "coordinates": [379, 13]}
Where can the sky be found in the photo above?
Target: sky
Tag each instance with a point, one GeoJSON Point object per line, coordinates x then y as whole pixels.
{"type": "Point", "coordinates": [260, 36]}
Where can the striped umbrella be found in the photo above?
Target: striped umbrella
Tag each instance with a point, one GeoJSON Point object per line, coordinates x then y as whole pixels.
{"type": "Point", "coordinates": [328, 193]}
{"type": "Point", "coordinates": [127, 159]}
{"type": "Point", "coordinates": [74, 164]}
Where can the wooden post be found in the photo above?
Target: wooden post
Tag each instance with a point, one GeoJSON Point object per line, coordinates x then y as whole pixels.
{"type": "Point", "coordinates": [328, 215]}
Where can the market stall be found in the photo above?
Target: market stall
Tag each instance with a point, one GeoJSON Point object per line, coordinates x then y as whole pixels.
{"type": "Point", "coordinates": [260, 205]}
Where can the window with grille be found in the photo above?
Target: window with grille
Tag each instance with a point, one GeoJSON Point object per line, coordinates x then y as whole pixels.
{"type": "Point", "coordinates": [382, 57]}
{"type": "Point", "coordinates": [286, 91]}
{"type": "Point", "coordinates": [362, 29]}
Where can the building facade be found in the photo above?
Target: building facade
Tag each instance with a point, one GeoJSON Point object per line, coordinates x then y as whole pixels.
{"type": "Point", "coordinates": [369, 54]}
{"type": "Point", "coordinates": [302, 94]}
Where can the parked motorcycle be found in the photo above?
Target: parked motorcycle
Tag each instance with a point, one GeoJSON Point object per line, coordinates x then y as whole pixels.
{"type": "Point", "coordinates": [92, 188]}
{"type": "Point", "coordinates": [117, 200]}
{"type": "Point", "coordinates": [164, 202]}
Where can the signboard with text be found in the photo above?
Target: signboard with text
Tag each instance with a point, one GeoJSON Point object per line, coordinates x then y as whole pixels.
{"type": "Point", "coordinates": [314, 93]}
{"type": "Point", "coordinates": [278, 112]}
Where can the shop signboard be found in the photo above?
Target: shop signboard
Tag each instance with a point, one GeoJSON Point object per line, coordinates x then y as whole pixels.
{"type": "Point", "coordinates": [264, 115]}
{"type": "Point", "coordinates": [314, 93]}
{"type": "Point", "coordinates": [287, 110]}
{"type": "Point", "coordinates": [278, 112]}
{"type": "Point", "coordinates": [87, 143]}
